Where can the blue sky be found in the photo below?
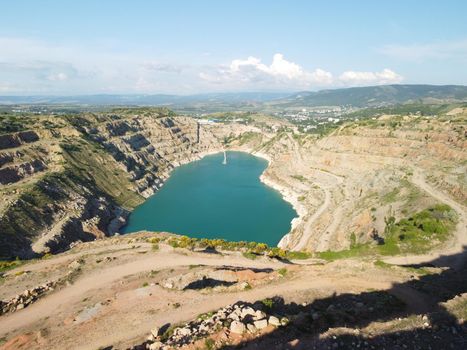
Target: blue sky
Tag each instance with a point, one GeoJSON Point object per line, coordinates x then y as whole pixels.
{"type": "Point", "coordinates": [183, 47]}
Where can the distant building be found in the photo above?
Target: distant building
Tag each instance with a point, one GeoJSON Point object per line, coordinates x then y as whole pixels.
{"type": "Point", "coordinates": [206, 121]}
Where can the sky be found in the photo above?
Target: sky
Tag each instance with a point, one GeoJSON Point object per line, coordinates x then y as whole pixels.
{"type": "Point", "coordinates": [70, 47]}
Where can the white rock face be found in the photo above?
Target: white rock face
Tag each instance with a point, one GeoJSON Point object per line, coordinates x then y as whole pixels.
{"type": "Point", "coordinates": [261, 324]}
{"type": "Point", "coordinates": [155, 346]}
{"type": "Point", "coordinates": [251, 328]}
{"type": "Point", "coordinates": [259, 315]}
{"type": "Point", "coordinates": [247, 311]}
{"type": "Point", "coordinates": [273, 320]}
{"type": "Point", "coordinates": [155, 332]}
{"type": "Point", "coordinates": [237, 327]}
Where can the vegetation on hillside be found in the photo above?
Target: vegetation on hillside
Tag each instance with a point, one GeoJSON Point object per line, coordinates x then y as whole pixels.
{"type": "Point", "coordinates": [411, 235]}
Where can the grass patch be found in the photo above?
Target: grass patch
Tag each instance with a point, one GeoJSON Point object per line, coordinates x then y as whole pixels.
{"type": "Point", "coordinates": [205, 315]}
{"type": "Point", "coordinates": [91, 163]}
{"type": "Point", "coordinates": [292, 255]}
{"type": "Point", "coordinates": [382, 264]}
{"type": "Point", "coordinates": [460, 309]}
{"type": "Point", "coordinates": [209, 344]}
{"type": "Point", "coordinates": [247, 137]}
{"type": "Point", "coordinates": [282, 272]}
{"type": "Point", "coordinates": [420, 232]}
{"type": "Point", "coordinates": [413, 235]}
{"type": "Point", "coordinates": [300, 178]}
{"type": "Point", "coordinates": [250, 255]}
{"type": "Point", "coordinates": [9, 265]}
{"type": "Point", "coordinates": [355, 251]}
{"type": "Point", "coordinates": [390, 197]}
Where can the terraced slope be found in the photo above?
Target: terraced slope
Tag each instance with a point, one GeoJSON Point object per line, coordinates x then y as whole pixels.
{"type": "Point", "coordinates": [352, 186]}
{"type": "Point", "coordinates": [64, 179]}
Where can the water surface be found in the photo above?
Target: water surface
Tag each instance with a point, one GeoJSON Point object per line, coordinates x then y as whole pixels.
{"type": "Point", "coordinates": [207, 199]}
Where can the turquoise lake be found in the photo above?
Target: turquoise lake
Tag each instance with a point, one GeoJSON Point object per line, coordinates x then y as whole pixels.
{"type": "Point", "coordinates": [207, 199]}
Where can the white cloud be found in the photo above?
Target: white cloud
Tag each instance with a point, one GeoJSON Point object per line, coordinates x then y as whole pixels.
{"type": "Point", "coordinates": [386, 76]}
{"type": "Point", "coordinates": [280, 73]}
{"type": "Point", "coordinates": [321, 77]}
{"type": "Point", "coordinates": [35, 66]}
{"type": "Point", "coordinates": [282, 67]}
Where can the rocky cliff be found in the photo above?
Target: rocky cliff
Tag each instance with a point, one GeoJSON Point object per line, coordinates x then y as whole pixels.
{"type": "Point", "coordinates": [75, 178]}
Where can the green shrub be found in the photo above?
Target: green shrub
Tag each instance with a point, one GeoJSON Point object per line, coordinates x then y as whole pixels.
{"type": "Point", "coordinates": [293, 255]}
{"type": "Point", "coordinates": [250, 255]}
{"type": "Point", "coordinates": [209, 344]}
{"type": "Point", "coordinates": [269, 303]}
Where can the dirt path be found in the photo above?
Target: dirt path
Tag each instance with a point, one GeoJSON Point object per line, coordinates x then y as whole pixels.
{"type": "Point", "coordinates": [323, 285]}
{"type": "Point", "coordinates": [35, 265]}
{"type": "Point", "coordinates": [328, 232]}
{"type": "Point", "coordinates": [453, 254]}
{"type": "Point", "coordinates": [103, 278]}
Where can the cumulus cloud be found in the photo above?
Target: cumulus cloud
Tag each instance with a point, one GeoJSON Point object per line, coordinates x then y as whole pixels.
{"type": "Point", "coordinates": [35, 66]}
{"type": "Point", "coordinates": [386, 76]}
{"type": "Point", "coordinates": [286, 74]}
{"type": "Point", "coordinates": [322, 77]}
{"type": "Point", "coordinates": [280, 72]}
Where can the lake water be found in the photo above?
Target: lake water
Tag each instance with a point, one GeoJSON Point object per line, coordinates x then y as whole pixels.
{"type": "Point", "coordinates": [207, 199]}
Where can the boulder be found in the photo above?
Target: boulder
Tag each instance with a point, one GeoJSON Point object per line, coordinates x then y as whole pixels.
{"type": "Point", "coordinates": [184, 331]}
{"type": "Point", "coordinates": [155, 332]}
{"type": "Point", "coordinates": [273, 320]}
{"type": "Point", "coordinates": [244, 285]}
{"type": "Point", "coordinates": [155, 346]}
{"type": "Point", "coordinates": [247, 311]}
{"type": "Point", "coordinates": [261, 324]}
{"type": "Point", "coordinates": [259, 315]}
{"type": "Point", "coordinates": [237, 327]}
{"type": "Point", "coordinates": [74, 265]}
{"type": "Point", "coordinates": [234, 316]}
{"type": "Point", "coordinates": [251, 328]}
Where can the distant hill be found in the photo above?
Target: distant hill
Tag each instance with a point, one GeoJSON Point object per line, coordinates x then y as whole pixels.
{"type": "Point", "coordinates": [147, 100]}
{"type": "Point", "coordinates": [373, 96]}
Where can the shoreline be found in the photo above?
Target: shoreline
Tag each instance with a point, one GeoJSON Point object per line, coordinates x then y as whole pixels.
{"type": "Point", "coordinates": [287, 194]}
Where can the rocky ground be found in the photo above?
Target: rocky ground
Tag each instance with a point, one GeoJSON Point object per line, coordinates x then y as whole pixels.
{"type": "Point", "coordinates": [130, 292]}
